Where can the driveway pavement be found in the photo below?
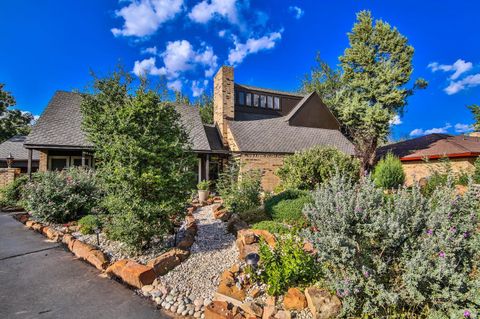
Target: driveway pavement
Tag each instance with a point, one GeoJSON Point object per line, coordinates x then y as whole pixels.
{"type": "Point", "coordinates": [40, 279]}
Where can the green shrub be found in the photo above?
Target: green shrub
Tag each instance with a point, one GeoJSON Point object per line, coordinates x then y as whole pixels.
{"type": "Point", "coordinates": [240, 191]}
{"type": "Point", "coordinates": [62, 196]}
{"type": "Point", "coordinates": [273, 227]}
{"type": "Point", "coordinates": [476, 172]}
{"type": "Point", "coordinates": [203, 185]}
{"type": "Point", "coordinates": [10, 195]}
{"type": "Point", "coordinates": [288, 207]}
{"type": "Point", "coordinates": [285, 266]}
{"type": "Point", "coordinates": [253, 215]}
{"type": "Point", "coordinates": [388, 172]}
{"type": "Point", "coordinates": [88, 224]}
{"type": "Point", "coordinates": [310, 168]}
{"type": "Point", "coordinates": [403, 252]}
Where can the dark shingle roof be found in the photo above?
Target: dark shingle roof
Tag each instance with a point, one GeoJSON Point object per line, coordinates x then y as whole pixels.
{"type": "Point", "coordinates": [60, 123]}
{"type": "Point", "coordinates": [255, 88]}
{"type": "Point", "coordinates": [214, 138]}
{"type": "Point", "coordinates": [275, 135]}
{"type": "Point", "coordinates": [15, 147]}
{"type": "Point", "coordinates": [433, 146]}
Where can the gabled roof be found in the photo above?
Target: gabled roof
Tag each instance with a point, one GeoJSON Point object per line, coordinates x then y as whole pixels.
{"type": "Point", "coordinates": [60, 125]}
{"type": "Point", "coordinates": [297, 107]}
{"type": "Point", "coordinates": [433, 146]}
{"type": "Point", "coordinates": [275, 135]}
{"type": "Point", "coordinates": [14, 146]}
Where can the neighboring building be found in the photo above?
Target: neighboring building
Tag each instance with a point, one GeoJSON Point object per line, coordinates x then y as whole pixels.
{"type": "Point", "coordinates": [259, 126]}
{"type": "Point", "coordinates": [13, 148]}
{"type": "Point", "coordinates": [421, 156]}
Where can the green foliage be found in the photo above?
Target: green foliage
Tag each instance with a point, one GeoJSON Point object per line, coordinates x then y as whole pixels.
{"type": "Point", "coordinates": [203, 185]}
{"type": "Point", "coordinates": [88, 224]}
{"type": "Point", "coordinates": [312, 167]}
{"type": "Point", "coordinates": [389, 172]}
{"type": "Point", "coordinates": [476, 172]}
{"type": "Point", "coordinates": [475, 109]}
{"type": "Point", "coordinates": [240, 191]}
{"type": "Point", "coordinates": [441, 174]}
{"type": "Point", "coordinates": [287, 207]}
{"type": "Point", "coordinates": [273, 227]}
{"type": "Point", "coordinates": [403, 252]}
{"type": "Point", "coordinates": [254, 215]}
{"type": "Point", "coordinates": [144, 158]}
{"type": "Point", "coordinates": [285, 266]}
{"type": "Point", "coordinates": [369, 89]}
{"type": "Point", "coordinates": [62, 196]}
{"type": "Point", "coordinates": [10, 194]}
{"type": "Point", "coordinates": [205, 106]}
{"type": "Point", "coordinates": [12, 122]}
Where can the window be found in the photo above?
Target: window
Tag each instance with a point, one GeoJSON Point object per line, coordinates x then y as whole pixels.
{"type": "Point", "coordinates": [263, 101]}
{"type": "Point", "coordinates": [77, 161]}
{"type": "Point", "coordinates": [255, 100]}
{"type": "Point", "coordinates": [241, 98]}
{"type": "Point", "coordinates": [249, 99]}
{"type": "Point", "coordinates": [58, 163]}
{"type": "Point", "coordinates": [276, 103]}
{"type": "Point", "coordinates": [270, 102]}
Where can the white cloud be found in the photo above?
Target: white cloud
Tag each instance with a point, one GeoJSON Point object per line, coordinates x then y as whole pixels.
{"type": "Point", "coordinates": [197, 88]}
{"type": "Point", "coordinates": [241, 50]}
{"type": "Point", "coordinates": [208, 9]}
{"type": "Point", "coordinates": [147, 67]}
{"type": "Point", "coordinates": [438, 130]}
{"type": "Point", "coordinates": [459, 67]}
{"type": "Point", "coordinates": [144, 17]}
{"type": "Point", "coordinates": [152, 50]}
{"type": "Point", "coordinates": [396, 120]}
{"type": "Point", "coordinates": [175, 85]}
{"type": "Point", "coordinates": [297, 12]}
{"type": "Point", "coordinates": [222, 33]}
{"type": "Point", "coordinates": [467, 82]}
{"type": "Point", "coordinates": [463, 128]}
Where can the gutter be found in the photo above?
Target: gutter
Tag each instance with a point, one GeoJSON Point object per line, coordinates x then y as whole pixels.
{"type": "Point", "coordinates": [453, 155]}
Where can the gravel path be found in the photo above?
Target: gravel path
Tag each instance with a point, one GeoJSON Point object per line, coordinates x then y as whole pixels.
{"type": "Point", "coordinates": [214, 251]}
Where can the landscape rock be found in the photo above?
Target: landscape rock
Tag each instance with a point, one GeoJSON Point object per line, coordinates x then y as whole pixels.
{"type": "Point", "coordinates": [247, 236]}
{"type": "Point", "coordinates": [218, 310]}
{"type": "Point", "coordinates": [322, 304]}
{"type": "Point", "coordinates": [265, 235]}
{"type": "Point", "coordinates": [29, 223]}
{"type": "Point", "coordinates": [283, 314]}
{"type": "Point", "coordinates": [167, 261]}
{"type": "Point", "coordinates": [244, 250]}
{"type": "Point", "coordinates": [252, 309]}
{"type": "Point", "coordinates": [132, 273]}
{"type": "Point", "coordinates": [294, 299]}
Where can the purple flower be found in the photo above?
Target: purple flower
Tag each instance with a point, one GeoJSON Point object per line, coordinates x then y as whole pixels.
{"type": "Point", "coordinates": [429, 232]}
{"type": "Point", "coordinates": [453, 229]}
{"type": "Point", "coordinates": [466, 234]}
{"type": "Point", "coordinates": [466, 314]}
{"type": "Point", "coordinates": [441, 254]}
{"type": "Point", "coordinates": [366, 273]}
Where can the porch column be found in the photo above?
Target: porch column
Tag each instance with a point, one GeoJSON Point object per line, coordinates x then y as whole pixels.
{"type": "Point", "coordinates": [29, 164]}
{"type": "Point", "coordinates": [207, 167]}
{"type": "Point", "coordinates": [83, 158]}
{"type": "Point", "coordinates": [199, 169]}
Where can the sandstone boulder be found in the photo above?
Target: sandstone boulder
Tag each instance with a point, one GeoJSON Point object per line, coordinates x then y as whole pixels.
{"type": "Point", "coordinates": [132, 273]}
{"type": "Point", "coordinates": [247, 236]}
{"type": "Point", "coordinates": [294, 299]}
{"type": "Point", "coordinates": [244, 250]}
{"type": "Point", "coordinates": [167, 261]}
{"type": "Point", "coordinates": [218, 310]}
{"type": "Point", "coordinates": [322, 304]}
{"type": "Point", "coordinates": [265, 235]}
{"type": "Point", "coordinates": [252, 308]}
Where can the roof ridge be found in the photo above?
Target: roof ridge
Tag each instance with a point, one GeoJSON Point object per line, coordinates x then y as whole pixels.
{"type": "Point", "coordinates": [273, 91]}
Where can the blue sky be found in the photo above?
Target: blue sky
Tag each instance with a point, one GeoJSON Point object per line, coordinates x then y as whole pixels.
{"type": "Point", "coordinates": [54, 44]}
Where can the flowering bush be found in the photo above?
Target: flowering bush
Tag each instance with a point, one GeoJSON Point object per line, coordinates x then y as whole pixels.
{"type": "Point", "coordinates": [62, 196]}
{"type": "Point", "coordinates": [402, 252]}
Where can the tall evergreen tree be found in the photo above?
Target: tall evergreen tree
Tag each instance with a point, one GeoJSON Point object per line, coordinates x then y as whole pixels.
{"type": "Point", "coordinates": [12, 122]}
{"type": "Point", "coordinates": [475, 109]}
{"type": "Point", "coordinates": [370, 87]}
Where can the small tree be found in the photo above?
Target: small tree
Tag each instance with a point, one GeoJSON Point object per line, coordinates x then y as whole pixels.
{"type": "Point", "coordinates": [475, 109]}
{"type": "Point", "coordinates": [309, 168]}
{"type": "Point", "coordinates": [205, 106]}
{"type": "Point", "coordinates": [12, 122]}
{"type": "Point", "coordinates": [389, 172]}
{"type": "Point", "coordinates": [144, 158]}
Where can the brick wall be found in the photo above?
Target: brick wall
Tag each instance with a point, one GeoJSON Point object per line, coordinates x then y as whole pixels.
{"type": "Point", "coordinates": [43, 163]}
{"type": "Point", "coordinates": [8, 175]}
{"type": "Point", "coordinates": [223, 100]}
{"type": "Point", "coordinates": [268, 164]}
{"type": "Point", "coordinates": [415, 170]}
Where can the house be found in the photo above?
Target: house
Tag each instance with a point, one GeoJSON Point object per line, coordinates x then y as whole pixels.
{"type": "Point", "coordinates": [421, 156]}
{"type": "Point", "coordinates": [257, 126]}
{"type": "Point", "coordinates": [13, 150]}
{"type": "Point", "coordinates": [261, 126]}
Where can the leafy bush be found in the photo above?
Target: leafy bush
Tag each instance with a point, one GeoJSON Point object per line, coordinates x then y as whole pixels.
{"type": "Point", "coordinates": [388, 172]}
{"type": "Point", "coordinates": [62, 196]}
{"type": "Point", "coordinates": [203, 185]}
{"type": "Point", "coordinates": [307, 169]}
{"type": "Point", "coordinates": [254, 215]}
{"type": "Point", "coordinates": [240, 191]}
{"type": "Point", "coordinates": [442, 173]}
{"type": "Point", "coordinates": [272, 227]}
{"type": "Point", "coordinates": [287, 207]}
{"type": "Point", "coordinates": [144, 158]}
{"type": "Point", "coordinates": [287, 265]}
{"type": "Point", "coordinates": [88, 224]}
{"type": "Point", "coordinates": [400, 252]}
{"type": "Point", "coordinates": [10, 195]}
{"type": "Point", "coordinates": [476, 172]}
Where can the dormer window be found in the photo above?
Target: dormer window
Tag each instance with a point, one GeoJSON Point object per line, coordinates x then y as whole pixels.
{"type": "Point", "coordinates": [276, 103]}
{"type": "Point", "coordinates": [256, 100]}
{"type": "Point", "coordinates": [249, 99]}
{"type": "Point", "coordinates": [270, 102]}
{"type": "Point", "coordinates": [241, 98]}
{"type": "Point", "coordinates": [263, 101]}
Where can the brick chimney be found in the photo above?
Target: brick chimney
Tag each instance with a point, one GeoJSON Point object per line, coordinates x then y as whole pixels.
{"type": "Point", "coordinates": [223, 100]}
